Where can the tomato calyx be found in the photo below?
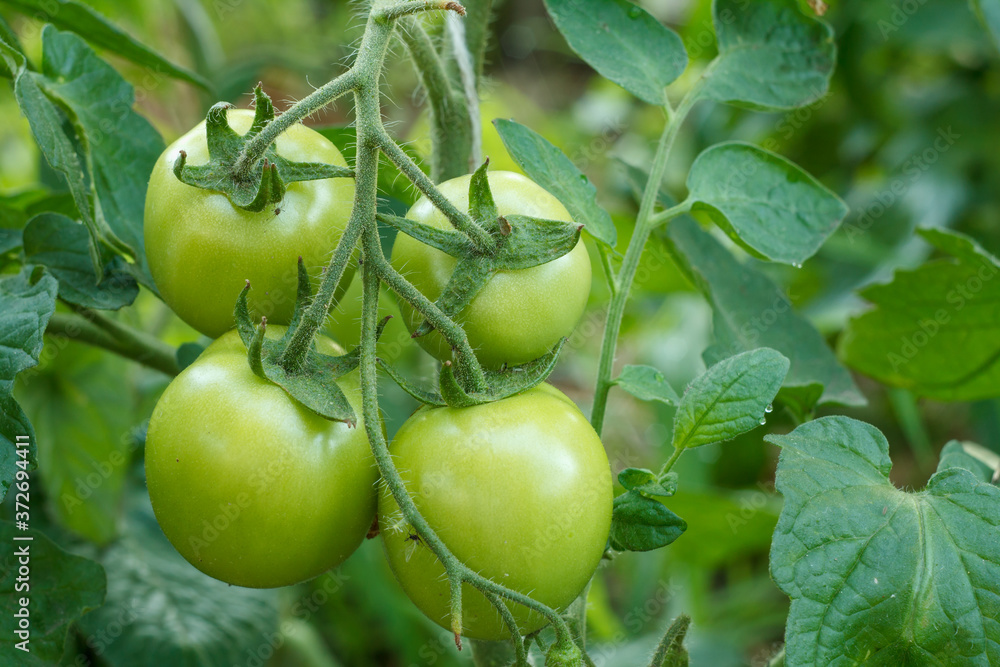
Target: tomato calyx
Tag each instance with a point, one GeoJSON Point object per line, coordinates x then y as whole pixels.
{"type": "Point", "coordinates": [309, 377]}
{"type": "Point", "coordinates": [519, 242]}
{"type": "Point", "coordinates": [264, 185]}
{"type": "Point", "coordinates": [501, 384]}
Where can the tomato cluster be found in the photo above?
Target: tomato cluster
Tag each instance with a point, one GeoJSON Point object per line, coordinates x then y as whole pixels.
{"type": "Point", "coordinates": [255, 489]}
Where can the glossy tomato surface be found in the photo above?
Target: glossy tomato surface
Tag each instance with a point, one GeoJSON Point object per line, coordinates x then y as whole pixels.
{"type": "Point", "coordinates": [250, 486]}
{"type": "Point", "coordinates": [519, 490]}
{"type": "Point", "coordinates": [202, 249]}
{"type": "Point", "coordinates": [519, 315]}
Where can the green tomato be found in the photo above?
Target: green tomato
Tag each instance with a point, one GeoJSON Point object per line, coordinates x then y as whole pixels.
{"type": "Point", "coordinates": [518, 315]}
{"type": "Point", "coordinates": [250, 486]}
{"type": "Point", "coordinates": [519, 490]}
{"type": "Point", "coordinates": [202, 249]}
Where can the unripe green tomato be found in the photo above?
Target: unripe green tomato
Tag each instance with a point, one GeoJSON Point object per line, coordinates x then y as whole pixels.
{"type": "Point", "coordinates": [250, 486]}
{"type": "Point", "coordinates": [519, 490]}
{"type": "Point", "coordinates": [202, 249]}
{"type": "Point", "coordinates": [518, 315]}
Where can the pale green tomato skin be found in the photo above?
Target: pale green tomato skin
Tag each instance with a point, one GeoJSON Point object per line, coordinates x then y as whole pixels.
{"type": "Point", "coordinates": [248, 485]}
{"type": "Point", "coordinates": [519, 315]}
{"type": "Point", "coordinates": [519, 490]}
{"type": "Point", "coordinates": [202, 249]}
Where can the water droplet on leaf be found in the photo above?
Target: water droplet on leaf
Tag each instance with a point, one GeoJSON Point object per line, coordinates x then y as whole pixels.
{"type": "Point", "coordinates": [763, 420]}
{"type": "Point", "coordinates": [769, 409]}
{"type": "Point", "coordinates": [635, 13]}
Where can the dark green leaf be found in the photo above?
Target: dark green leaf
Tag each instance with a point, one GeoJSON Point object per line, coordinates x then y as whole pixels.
{"type": "Point", "coordinates": [988, 12]}
{"type": "Point", "coordinates": [550, 168]}
{"type": "Point", "coordinates": [187, 353]}
{"type": "Point", "coordinates": [623, 42]}
{"type": "Point", "coordinates": [63, 587]}
{"type": "Point", "coordinates": [647, 384]}
{"type": "Point", "coordinates": [764, 202]}
{"type": "Point", "coordinates": [9, 39]}
{"type": "Point", "coordinates": [63, 247]}
{"type": "Point", "coordinates": [10, 239]}
{"type": "Point", "coordinates": [96, 29]}
{"type": "Point", "coordinates": [750, 311]}
{"type": "Point", "coordinates": [898, 578]}
{"type": "Point", "coordinates": [978, 460]}
{"type": "Point", "coordinates": [730, 398]}
{"type": "Point", "coordinates": [639, 523]}
{"type": "Point", "coordinates": [771, 55]}
{"type": "Point", "coordinates": [646, 482]}
{"type": "Point", "coordinates": [151, 588]}
{"type": "Point", "coordinates": [26, 309]}
{"type": "Point", "coordinates": [934, 330]}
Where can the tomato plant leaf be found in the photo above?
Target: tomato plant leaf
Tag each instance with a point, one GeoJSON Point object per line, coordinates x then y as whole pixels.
{"type": "Point", "coordinates": [772, 56]}
{"type": "Point", "coordinates": [98, 30]}
{"type": "Point", "coordinates": [750, 311]}
{"type": "Point", "coordinates": [63, 588]}
{"type": "Point", "coordinates": [765, 203]}
{"type": "Point", "coordinates": [624, 43]}
{"type": "Point", "coordinates": [925, 316]}
{"type": "Point", "coordinates": [10, 239]}
{"type": "Point", "coordinates": [639, 523]}
{"type": "Point", "coordinates": [730, 398]}
{"type": "Point", "coordinates": [63, 247]}
{"type": "Point", "coordinates": [647, 483]}
{"type": "Point", "coordinates": [988, 12]}
{"type": "Point", "coordinates": [647, 384]}
{"type": "Point", "coordinates": [26, 307]}
{"type": "Point", "coordinates": [876, 573]}
{"type": "Point", "coordinates": [978, 460]}
{"type": "Point", "coordinates": [550, 168]}
{"type": "Point", "coordinates": [150, 586]}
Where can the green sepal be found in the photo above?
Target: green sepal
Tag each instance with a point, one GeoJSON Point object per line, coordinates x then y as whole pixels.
{"type": "Point", "coordinates": [313, 382]}
{"type": "Point", "coordinates": [455, 244]}
{"type": "Point", "coordinates": [531, 242]}
{"type": "Point", "coordinates": [265, 187]}
{"type": "Point", "coordinates": [482, 207]}
{"type": "Point", "coordinates": [467, 280]}
{"type": "Point", "coordinates": [426, 397]}
{"type": "Point", "coordinates": [501, 384]}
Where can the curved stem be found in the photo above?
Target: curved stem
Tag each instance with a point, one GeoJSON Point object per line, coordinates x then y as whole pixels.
{"type": "Point", "coordinates": [95, 329]}
{"type": "Point", "coordinates": [671, 461]}
{"type": "Point", "coordinates": [644, 225]}
{"type": "Point", "coordinates": [254, 150]}
{"type": "Point", "coordinates": [388, 14]}
{"type": "Point", "coordinates": [461, 221]}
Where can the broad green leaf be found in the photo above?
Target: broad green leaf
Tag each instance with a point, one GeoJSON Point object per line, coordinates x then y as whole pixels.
{"type": "Point", "coordinates": [988, 12]}
{"type": "Point", "coordinates": [63, 246]}
{"type": "Point", "coordinates": [879, 576]}
{"type": "Point", "coordinates": [647, 384]}
{"type": "Point", "coordinates": [96, 29]}
{"type": "Point", "coordinates": [63, 587]}
{"type": "Point", "coordinates": [764, 202]}
{"type": "Point", "coordinates": [639, 523]}
{"type": "Point", "coordinates": [550, 168]}
{"type": "Point", "coordinates": [624, 43]}
{"type": "Point", "coordinates": [730, 398]}
{"type": "Point", "coordinates": [978, 460]}
{"type": "Point", "coordinates": [9, 39]}
{"type": "Point", "coordinates": [750, 311]}
{"type": "Point", "coordinates": [771, 55]}
{"type": "Point", "coordinates": [934, 330]}
{"type": "Point", "coordinates": [118, 160]}
{"type": "Point", "coordinates": [10, 239]}
{"type": "Point", "coordinates": [647, 483]}
{"type": "Point", "coordinates": [26, 309]}
{"type": "Point", "coordinates": [83, 415]}
{"type": "Point", "coordinates": [176, 615]}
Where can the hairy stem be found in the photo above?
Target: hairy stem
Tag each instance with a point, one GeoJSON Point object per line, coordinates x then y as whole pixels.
{"type": "Point", "coordinates": [92, 328]}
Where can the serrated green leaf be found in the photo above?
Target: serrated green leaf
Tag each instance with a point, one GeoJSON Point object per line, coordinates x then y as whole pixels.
{"type": "Point", "coordinates": [152, 587]}
{"type": "Point", "coordinates": [764, 202]}
{"type": "Point", "coordinates": [647, 384]}
{"type": "Point", "coordinates": [62, 246]}
{"type": "Point", "coordinates": [550, 168]}
{"type": "Point", "coordinates": [771, 55]}
{"type": "Point", "coordinates": [877, 575]}
{"type": "Point", "coordinates": [934, 330]}
{"type": "Point", "coordinates": [624, 43]}
{"type": "Point", "coordinates": [63, 587]}
{"type": "Point", "coordinates": [26, 309]}
{"type": "Point", "coordinates": [988, 12]}
{"type": "Point", "coordinates": [639, 523]}
{"type": "Point", "coordinates": [730, 398]}
{"type": "Point", "coordinates": [750, 311]}
{"type": "Point", "coordinates": [96, 29]}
